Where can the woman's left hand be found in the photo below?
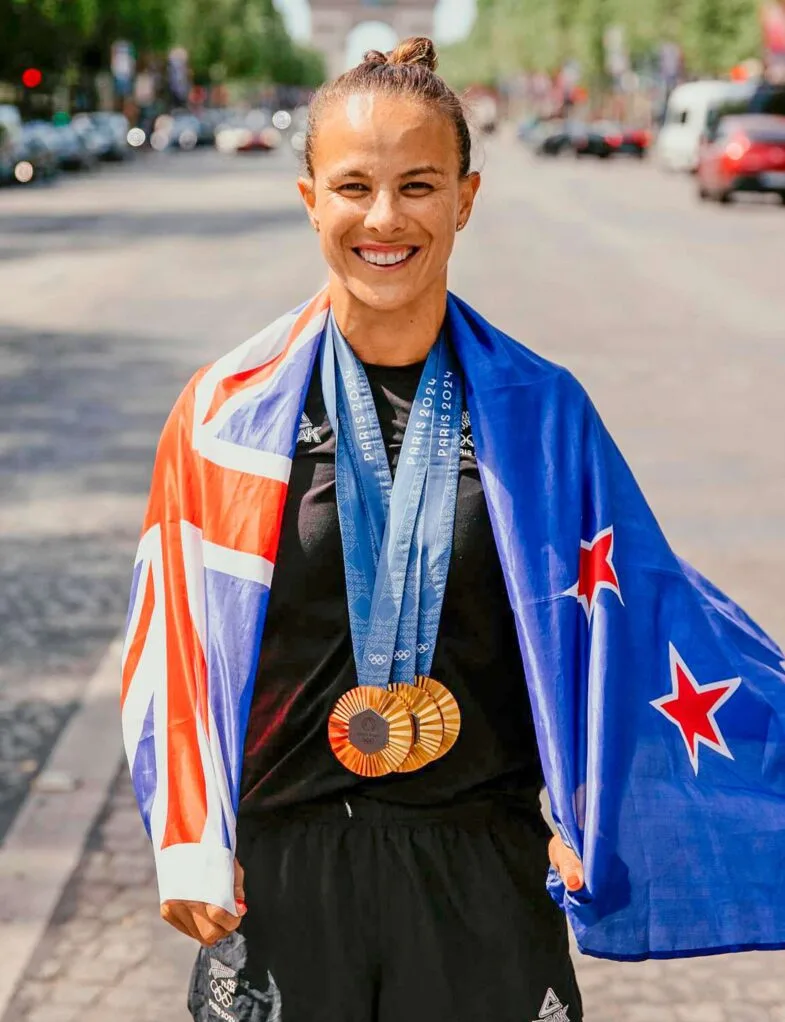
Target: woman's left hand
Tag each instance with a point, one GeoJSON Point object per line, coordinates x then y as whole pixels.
{"type": "Point", "coordinates": [566, 863]}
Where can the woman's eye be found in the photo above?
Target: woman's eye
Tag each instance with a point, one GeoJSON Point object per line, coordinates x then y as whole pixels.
{"type": "Point", "coordinates": [419, 186]}
{"type": "Point", "coordinates": [355, 187]}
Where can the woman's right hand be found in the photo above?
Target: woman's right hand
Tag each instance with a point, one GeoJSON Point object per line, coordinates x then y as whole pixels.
{"type": "Point", "coordinates": [207, 923]}
{"type": "Point", "coordinates": [566, 863]}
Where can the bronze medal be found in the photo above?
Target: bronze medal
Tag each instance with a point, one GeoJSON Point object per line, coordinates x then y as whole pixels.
{"type": "Point", "coordinates": [428, 726]}
{"type": "Point", "coordinates": [450, 711]}
{"type": "Point", "coordinates": [371, 731]}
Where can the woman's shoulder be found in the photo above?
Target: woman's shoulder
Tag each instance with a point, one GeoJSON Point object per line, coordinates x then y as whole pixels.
{"type": "Point", "coordinates": [488, 349]}
{"type": "Point", "coordinates": [257, 358]}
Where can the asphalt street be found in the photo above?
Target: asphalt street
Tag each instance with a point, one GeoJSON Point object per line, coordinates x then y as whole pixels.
{"type": "Point", "coordinates": [116, 286]}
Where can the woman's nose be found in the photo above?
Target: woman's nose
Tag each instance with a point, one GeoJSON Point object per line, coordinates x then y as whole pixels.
{"type": "Point", "coordinates": [385, 214]}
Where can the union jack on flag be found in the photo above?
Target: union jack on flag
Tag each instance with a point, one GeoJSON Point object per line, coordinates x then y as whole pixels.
{"type": "Point", "coordinates": [201, 580]}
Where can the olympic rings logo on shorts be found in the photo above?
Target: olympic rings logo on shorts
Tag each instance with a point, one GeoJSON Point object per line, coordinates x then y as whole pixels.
{"type": "Point", "coordinates": [220, 993]}
{"type": "Point", "coordinates": [377, 659]}
{"type": "Point", "coordinates": [402, 654]}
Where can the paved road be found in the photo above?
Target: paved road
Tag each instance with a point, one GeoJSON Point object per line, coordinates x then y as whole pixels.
{"type": "Point", "coordinates": [117, 286]}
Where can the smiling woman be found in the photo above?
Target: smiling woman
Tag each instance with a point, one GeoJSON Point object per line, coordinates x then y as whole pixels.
{"type": "Point", "coordinates": [340, 767]}
{"type": "Point", "coordinates": [388, 157]}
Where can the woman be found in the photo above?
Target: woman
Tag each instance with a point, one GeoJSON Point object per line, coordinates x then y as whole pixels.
{"type": "Point", "coordinates": [375, 755]}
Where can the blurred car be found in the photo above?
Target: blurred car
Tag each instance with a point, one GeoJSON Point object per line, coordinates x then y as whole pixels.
{"type": "Point", "coordinates": [104, 134]}
{"type": "Point", "coordinates": [250, 132]}
{"type": "Point", "coordinates": [117, 126]}
{"type": "Point", "coordinates": [73, 150]}
{"type": "Point", "coordinates": [10, 141]}
{"type": "Point", "coordinates": [743, 154]}
{"type": "Point", "coordinates": [182, 130]}
{"type": "Point", "coordinates": [606, 138]}
{"type": "Point", "coordinates": [38, 151]}
{"type": "Point", "coordinates": [687, 116]}
{"type": "Point", "coordinates": [768, 98]}
{"type": "Point", "coordinates": [98, 143]}
{"type": "Point", "coordinates": [70, 148]}
{"type": "Point", "coordinates": [636, 141]}
{"type": "Point", "coordinates": [549, 138]}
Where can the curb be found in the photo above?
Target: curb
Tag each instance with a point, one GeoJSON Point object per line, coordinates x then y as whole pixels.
{"type": "Point", "coordinates": [46, 840]}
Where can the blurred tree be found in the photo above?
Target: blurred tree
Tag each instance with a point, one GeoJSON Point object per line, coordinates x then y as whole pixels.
{"type": "Point", "coordinates": [540, 35]}
{"type": "Point", "coordinates": [42, 33]}
{"type": "Point", "coordinates": [719, 33]}
{"type": "Point", "coordinates": [242, 39]}
{"type": "Point", "coordinates": [594, 18]}
{"type": "Point", "coordinates": [247, 38]}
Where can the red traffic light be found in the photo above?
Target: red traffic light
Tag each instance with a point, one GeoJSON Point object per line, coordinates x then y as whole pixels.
{"type": "Point", "coordinates": [31, 78]}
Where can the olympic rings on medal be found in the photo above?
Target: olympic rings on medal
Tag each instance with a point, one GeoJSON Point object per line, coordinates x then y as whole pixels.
{"type": "Point", "coordinates": [377, 659]}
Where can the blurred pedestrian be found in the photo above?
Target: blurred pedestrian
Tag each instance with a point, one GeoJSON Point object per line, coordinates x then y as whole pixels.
{"type": "Point", "coordinates": [339, 765]}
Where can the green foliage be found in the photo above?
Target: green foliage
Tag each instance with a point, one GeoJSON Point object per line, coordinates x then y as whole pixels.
{"type": "Point", "coordinates": [246, 39]}
{"type": "Point", "coordinates": [539, 35]}
{"type": "Point", "coordinates": [719, 33]}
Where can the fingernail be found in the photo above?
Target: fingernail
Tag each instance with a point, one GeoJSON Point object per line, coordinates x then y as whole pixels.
{"type": "Point", "coordinates": [242, 908]}
{"type": "Point", "coordinates": [573, 882]}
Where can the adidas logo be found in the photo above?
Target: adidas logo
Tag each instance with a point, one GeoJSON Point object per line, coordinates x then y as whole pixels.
{"type": "Point", "coordinates": [307, 433]}
{"type": "Point", "coordinates": [552, 1009]}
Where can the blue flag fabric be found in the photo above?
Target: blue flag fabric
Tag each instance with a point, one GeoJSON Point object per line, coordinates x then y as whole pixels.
{"type": "Point", "coordinates": [659, 705]}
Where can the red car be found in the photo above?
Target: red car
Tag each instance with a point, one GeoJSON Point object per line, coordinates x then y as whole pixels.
{"type": "Point", "coordinates": [743, 154]}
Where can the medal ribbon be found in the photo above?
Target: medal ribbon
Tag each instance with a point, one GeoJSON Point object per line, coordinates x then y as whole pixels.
{"type": "Point", "coordinates": [396, 537]}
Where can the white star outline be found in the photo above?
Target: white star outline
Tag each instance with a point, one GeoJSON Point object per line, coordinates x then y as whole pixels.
{"type": "Point", "coordinates": [573, 590]}
{"type": "Point", "coordinates": [732, 684]}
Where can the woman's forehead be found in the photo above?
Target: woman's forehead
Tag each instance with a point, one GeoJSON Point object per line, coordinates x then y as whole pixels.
{"type": "Point", "coordinates": [374, 125]}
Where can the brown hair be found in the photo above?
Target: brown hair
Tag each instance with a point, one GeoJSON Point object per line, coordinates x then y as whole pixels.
{"type": "Point", "coordinates": [408, 70]}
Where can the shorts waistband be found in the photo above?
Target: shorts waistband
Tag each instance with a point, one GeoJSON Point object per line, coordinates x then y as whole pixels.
{"type": "Point", "coordinates": [361, 809]}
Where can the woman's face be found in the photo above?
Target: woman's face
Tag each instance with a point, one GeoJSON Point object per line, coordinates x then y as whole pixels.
{"type": "Point", "coordinates": [387, 197]}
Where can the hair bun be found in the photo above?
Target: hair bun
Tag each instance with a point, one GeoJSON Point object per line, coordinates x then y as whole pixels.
{"type": "Point", "coordinates": [375, 58]}
{"type": "Point", "coordinates": [417, 51]}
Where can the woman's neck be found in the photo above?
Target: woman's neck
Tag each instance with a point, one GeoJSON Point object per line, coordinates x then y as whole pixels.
{"type": "Point", "coordinates": [396, 338]}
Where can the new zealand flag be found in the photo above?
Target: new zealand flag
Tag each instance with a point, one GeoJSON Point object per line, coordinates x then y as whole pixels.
{"type": "Point", "coordinates": [659, 704]}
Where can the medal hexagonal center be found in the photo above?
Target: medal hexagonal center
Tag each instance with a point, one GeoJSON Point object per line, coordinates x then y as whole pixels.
{"type": "Point", "coordinates": [369, 732]}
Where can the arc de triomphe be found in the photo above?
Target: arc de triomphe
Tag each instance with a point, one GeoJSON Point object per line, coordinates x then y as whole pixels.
{"type": "Point", "coordinates": [333, 20]}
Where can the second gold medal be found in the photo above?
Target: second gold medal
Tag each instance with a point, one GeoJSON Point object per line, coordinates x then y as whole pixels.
{"type": "Point", "coordinates": [427, 722]}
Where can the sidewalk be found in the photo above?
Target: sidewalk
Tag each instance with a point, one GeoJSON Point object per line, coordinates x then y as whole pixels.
{"type": "Point", "coordinates": [107, 955]}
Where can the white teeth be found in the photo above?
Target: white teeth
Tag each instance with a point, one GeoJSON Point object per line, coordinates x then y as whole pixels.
{"type": "Point", "coordinates": [385, 258]}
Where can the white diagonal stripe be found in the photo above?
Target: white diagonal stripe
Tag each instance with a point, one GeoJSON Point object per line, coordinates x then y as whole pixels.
{"type": "Point", "coordinates": [237, 563]}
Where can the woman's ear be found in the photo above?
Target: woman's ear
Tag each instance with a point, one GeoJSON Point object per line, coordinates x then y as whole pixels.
{"type": "Point", "coordinates": [308, 194]}
{"type": "Point", "coordinates": [470, 185]}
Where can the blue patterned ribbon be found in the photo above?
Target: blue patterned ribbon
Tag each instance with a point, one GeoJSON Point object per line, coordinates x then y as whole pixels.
{"type": "Point", "coordinates": [397, 537]}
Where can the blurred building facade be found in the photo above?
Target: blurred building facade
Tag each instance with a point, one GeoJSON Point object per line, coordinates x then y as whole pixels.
{"type": "Point", "coordinates": [332, 21]}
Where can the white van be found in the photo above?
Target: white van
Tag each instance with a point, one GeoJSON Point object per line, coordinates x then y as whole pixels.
{"type": "Point", "coordinates": [686, 115]}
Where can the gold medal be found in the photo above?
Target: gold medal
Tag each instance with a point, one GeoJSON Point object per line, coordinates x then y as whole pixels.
{"type": "Point", "coordinates": [428, 726]}
{"type": "Point", "coordinates": [448, 706]}
{"type": "Point", "coordinates": [371, 731]}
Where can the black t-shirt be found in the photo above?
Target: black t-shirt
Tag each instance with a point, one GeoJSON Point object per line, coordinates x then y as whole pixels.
{"type": "Point", "coordinates": [307, 662]}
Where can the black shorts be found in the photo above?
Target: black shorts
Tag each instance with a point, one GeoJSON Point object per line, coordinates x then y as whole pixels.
{"type": "Point", "coordinates": [392, 914]}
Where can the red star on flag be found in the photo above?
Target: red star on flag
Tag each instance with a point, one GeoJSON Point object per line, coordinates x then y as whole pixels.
{"type": "Point", "coordinates": [596, 571]}
{"type": "Point", "coordinates": [692, 708]}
